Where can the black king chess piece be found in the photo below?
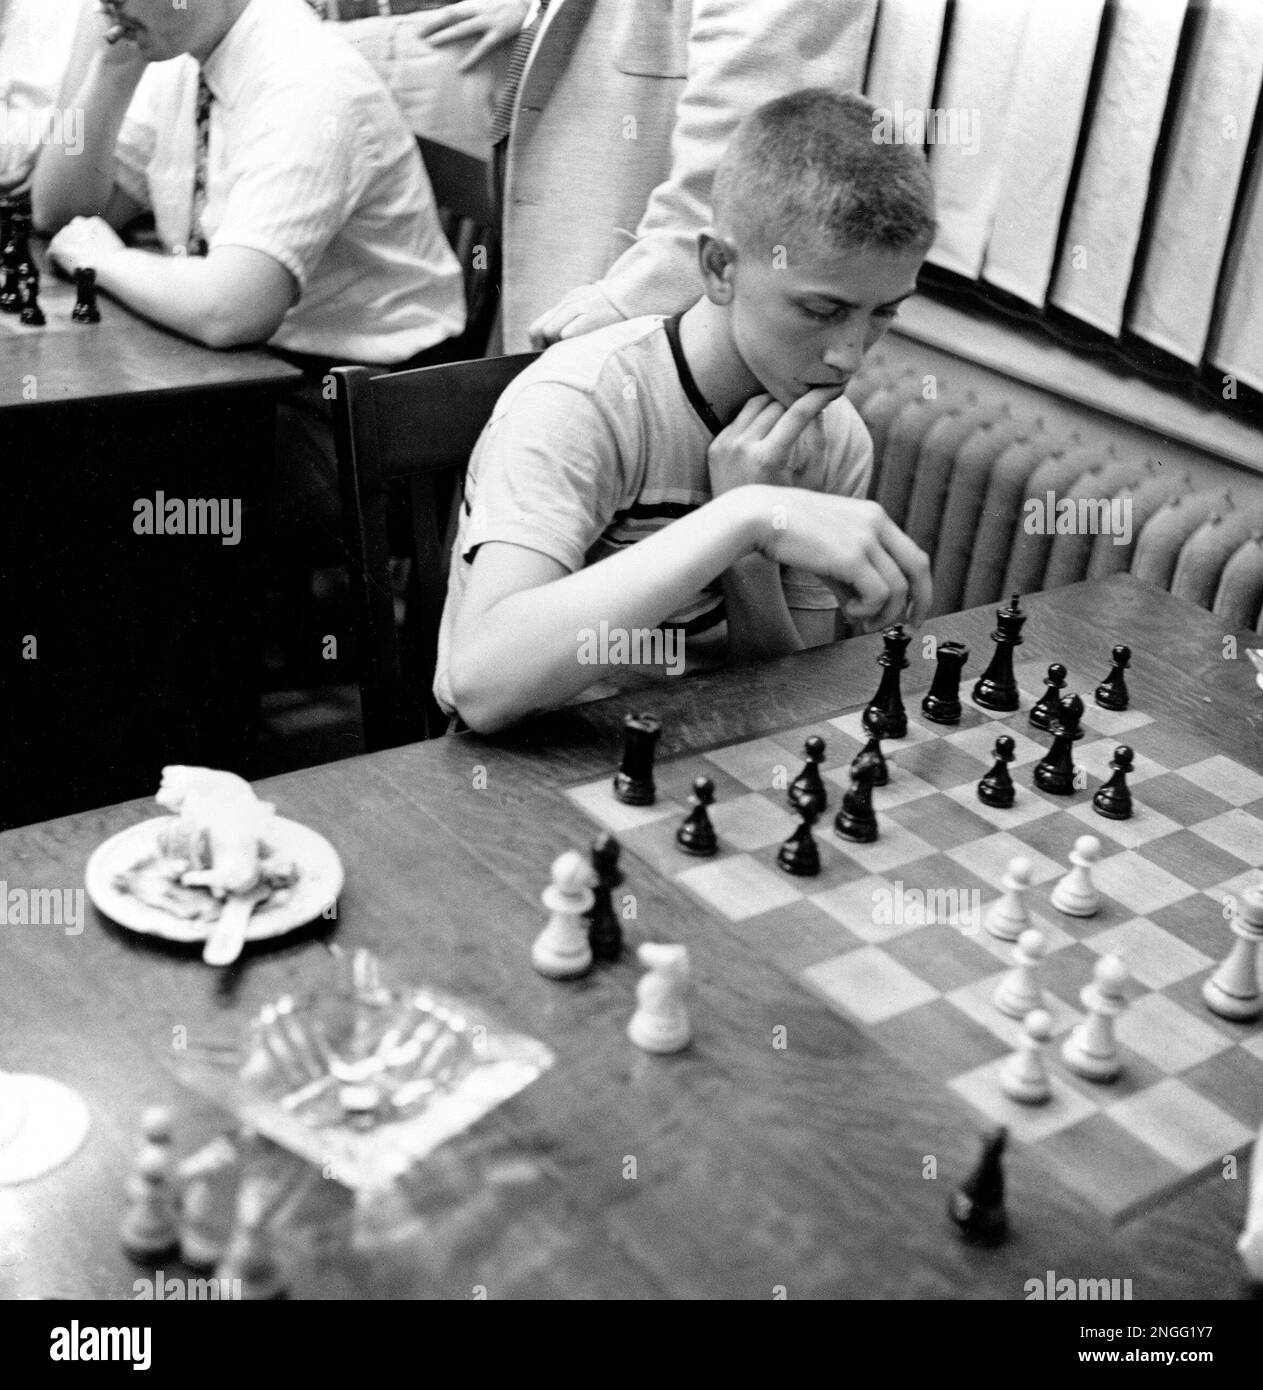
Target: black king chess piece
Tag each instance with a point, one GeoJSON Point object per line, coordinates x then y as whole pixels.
{"type": "Point", "coordinates": [633, 782]}
{"type": "Point", "coordinates": [1113, 800]}
{"type": "Point", "coordinates": [996, 688]}
{"type": "Point", "coordinates": [800, 855]}
{"type": "Point", "coordinates": [85, 310]}
{"type": "Point", "coordinates": [885, 715]}
{"type": "Point", "coordinates": [808, 789]}
{"type": "Point", "coordinates": [1055, 772]}
{"type": "Point", "coordinates": [856, 820]}
{"type": "Point", "coordinates": [605, 935]}
{"type": "Point", "coordinates": [977, 1205]}
{"type": "Point", "coordinates": [1112, 691]}
{"type": "Point", "coordinates": [996, 787]}
{"type": "Point", "coordinates": [696, 834]}
{"type": "Point", "coordinates": [942, 703]}
{"type": "Point", "coordinates": [1046, 711]}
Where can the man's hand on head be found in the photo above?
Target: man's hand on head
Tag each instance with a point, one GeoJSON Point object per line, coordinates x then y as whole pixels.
{"type": "Point", "coordinates": [84, 241]}
{"type": "Point", "coordinates": [756, 446]}
{"type": "Point", "coordinates": [582, 310]}
{"type": "Point", "coordinates": [492, 22]}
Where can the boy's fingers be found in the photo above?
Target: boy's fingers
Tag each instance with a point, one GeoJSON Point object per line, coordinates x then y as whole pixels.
{"type": "Point", "coordinates": [804, 410]}
{"type": "Point", "coordinates": [747, 414]}
{"type": "Point", "coordinates": [914, 564]}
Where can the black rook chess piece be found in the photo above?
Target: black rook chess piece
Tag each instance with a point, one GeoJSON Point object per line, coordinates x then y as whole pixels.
{"type": "Point", "coordinates": [696, 834]}
{"type": "Point", "coordinates": [800, 855]}
{"type": "Point", "coordinates": [1055, 772]}
{"type": "Point", "coordinates": [85, 310]}
{"type": "Point", "coordinates": [996, 788]}
{"type": "Point", "coordinates": [605, 935]}
{"type": "Point", "coordinates": [995, 688]}
{"type": "Point", "coordinates": [807, 789]}
{"type": "Point", "coordinates": [1112, 691]}
{"type": "Point", "coordinates": [872, 749]}
{"type": "Point", "coordinates": [1046, 711]}
{"type": "Point", "coordinates": [633, 782]}
{"type": "Point", "coordinates": [856, 820]}
{"type": "Point", "coordinates": [1113, 800]}
{"type": "Point", "coordinates": [885, 715]}
{"type": "Point", "coordinates": [942, 703]}
{"type": "Point", "coordinates": [977, 1205]}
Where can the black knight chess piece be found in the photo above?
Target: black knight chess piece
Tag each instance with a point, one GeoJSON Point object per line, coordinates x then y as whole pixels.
{"type": "Point", "coordinates": [872, 749]}
{"type": "Point", "coordinates": [808, 789]}
{"type": "Point", "coordinates": [605, 934]}
{"type": "Point", "coordinates": [885, 715]}
{"type": "Point", "coordinates": [856, 820]}
{"type": "Point", "coordinates": [996, 689]}
{"type": "Point", "coordinates": [977, 1205]}
{"type": "Point", "coordinates": [1055, 772]}
{"type": "Point", "coordinates": [1113, 800]}
{"type": "Point", "coordinates": [996, 787]}
{"type": "Point", "coordinates": [1046, 711]}
{"type": "Point", "coordinates": [1112, 691]}
{"type": "Point", "coordinates": [696, 834]}
{"type": "Point", "coordinates": [942, 704]}
{"type": "Point", "coordinates": [633, 782]}
{"type": "Point", "coordinates": [800, 855]}
{"type": "Point", "coordinates": [85, 310]}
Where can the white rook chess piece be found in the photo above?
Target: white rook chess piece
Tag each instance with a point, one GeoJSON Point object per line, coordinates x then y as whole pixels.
{"type": "Point", "coordinates": [561, 950]}
{"type": "Point", "coordinates": [1008, 917]}
{"type": "Point", "coordinates": [1233, 990]}
{"type": "Point", "coordinates": [1250, 1246]}
{"type": "Point", "coordinates": [1090, 1051]}
{"type": "Point", "coordinates": [1076, 894]}
{"type": "Point", "coordinates": [1017, 994]}
{"type": "Point", "coordinates": [661, 1021]}
{"type": "Point", "coordinates": [1024, 1076]}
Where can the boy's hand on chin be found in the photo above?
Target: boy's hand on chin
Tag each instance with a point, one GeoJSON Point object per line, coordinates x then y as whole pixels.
{"type": "Point", "coordinates": [756, 446]}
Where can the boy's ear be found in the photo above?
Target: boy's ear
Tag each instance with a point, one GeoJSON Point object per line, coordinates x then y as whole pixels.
{"type": "Point", "coordinates": [717, 259]}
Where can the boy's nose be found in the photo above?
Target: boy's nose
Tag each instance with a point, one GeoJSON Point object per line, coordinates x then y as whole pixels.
{"type": "Point", "coordinates": [844, 354]}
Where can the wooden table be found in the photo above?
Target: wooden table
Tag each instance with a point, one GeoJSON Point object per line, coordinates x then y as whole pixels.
{"type": "Point", "coordinates": [754, 1167]}
{"type": "Point", "coordinates": [128, 629]}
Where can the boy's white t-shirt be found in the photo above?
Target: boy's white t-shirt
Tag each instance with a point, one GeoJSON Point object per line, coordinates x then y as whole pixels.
{"type": "Point", "coordinates": [602, 442]}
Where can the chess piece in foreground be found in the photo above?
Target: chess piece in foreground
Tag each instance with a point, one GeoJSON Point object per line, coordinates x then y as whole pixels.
{"type": "Point", "coordinates": [996, 787]}
{"type": "Point", "coordinates": [605, 934]}
{"type": "Point", "coordinates": [1112, 691]}
{"type": "Point", "coordinates": [1024, 1077]}
{"type": "Point", "coordinates": [1008, 917]}
{"type": "Point", "coordinates": [1046, 711]}
{"type": "Point", "coordinates": [800, 855]}
{"type": "Point", "coordinates": [696, 834]}
{"type": "Point", "coordinates": [1019, 992]}
{"type": "Point", "coordinates": [149, 1228]}
{"type": "Point", "coordinates": [1233, 990]}
{"type": "Point", "coordinates": [633, 782]}
{"type": "Point", "coordinates": [661, 1021]}
{"type": "Point", "coordinates": [996, 688]}
{"type": "Point", "coordinates": [1076, 894]}
{"type": "Point", "coordinates": [561, 951]}
{"type": "Point", "coordinates": [872, 749]}
{"type": "Point", "coordinates": [250, 1256]}
{"type": "Point", "coordinates": [808, 789]}
{"type": "Point", "coordinates": [1090, 1050]}
{"type": "Point", "coordinates": [1055, 771]}
{"type": "Point", "coordinates": [1113, 799]}
{"type": "Point", "coordinates": [85, 310]}
{"type": "Point", "coordinates": [942, 704]}
{"type": "Point", "coordinates": [856, 819]}
{"type": "Point", "coordinates": [885, 715]}
{"type": "Point", "coordinates": [1250, 1245]}
{"type": "Point", "coordinates": [977, 1206]}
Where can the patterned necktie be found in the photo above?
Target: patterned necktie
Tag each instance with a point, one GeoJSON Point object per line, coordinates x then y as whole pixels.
{"type": "Point", "coordinates": [197, 239]}
{"type": "Point", "coordinates": [502, 119]}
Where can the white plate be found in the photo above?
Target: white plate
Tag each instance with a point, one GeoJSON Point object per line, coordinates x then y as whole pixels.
{"type": "Point", "coordinates": [319, 883]}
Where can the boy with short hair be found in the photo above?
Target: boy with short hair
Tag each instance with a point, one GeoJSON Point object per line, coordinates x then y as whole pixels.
{"type": "Point", "coordinates": [704, 471]}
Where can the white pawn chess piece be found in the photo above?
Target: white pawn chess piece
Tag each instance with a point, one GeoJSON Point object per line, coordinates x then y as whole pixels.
{"type": "Point", "coordinates": [561, 950]}
{"type": "Point", "coordinates": [1076, 894]}
{"type": "Point", "coordinates": [149, 1229]}
{"type": "Point", "coordinates": [1091, 1051]}
{"type": "Point", "coordinates": [1024, 1077]}
{"type": "Point", "coordinates": [1233, 990]}
{"type": "Point", "coordinates": [1017, 994]}
{"type": "Point", "coordinates": [661, 1021]}
{"type": "Point", "coordinates": [249, 1254]}
{"type": "Point", "coordinates": [1008, 916]}
{"type": "Point", "coordinates": [1250, 1245]}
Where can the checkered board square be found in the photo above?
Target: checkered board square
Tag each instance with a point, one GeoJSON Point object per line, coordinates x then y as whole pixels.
{"type": "Point", "coordinates": [891, 934]}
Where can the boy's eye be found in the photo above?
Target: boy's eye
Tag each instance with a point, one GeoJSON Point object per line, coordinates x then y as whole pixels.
{"type": "Point", "coordinates": [825, 315]}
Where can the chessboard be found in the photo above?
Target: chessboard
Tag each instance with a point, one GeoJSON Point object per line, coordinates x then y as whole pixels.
{"type": "Point", "coordinates": [890, 934]}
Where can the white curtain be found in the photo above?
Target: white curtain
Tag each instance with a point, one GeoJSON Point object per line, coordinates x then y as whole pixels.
{"type": "Point", "coordinates": [903, 62]}
{"type": "Point", "coordinates": [1239, 346]}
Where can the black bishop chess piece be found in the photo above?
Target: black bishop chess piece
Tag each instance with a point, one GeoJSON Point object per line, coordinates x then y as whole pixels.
{"type": "Point", "coordinates": [85, 310]}
{"type": "Point", "coordinates": [633, 782]}
{"type": "Point", "coordinates": [856, 820]}
{"type": "Point", "coordinates": [605, 933]}
{"type": "Point", "coordinates": [885, 715]}
{"type": "Point", "coordinates": [1046, 711]}
{"type": "Point", "coordinates": [800, 855]}
{"type": "Point", "coordinates": [1112, 691]}
{"type": "Point", "coordinates": [996, 688]}
{"type": "Point", "coordinates": [1055, 772]}
{"type": "Point", "coordinates": [977, 1205]}
{"type": "Point", "coordinates": [996, 787]}
{"type": "Point", "coordinates": [942, 704]}
{"type": "Point", "coordinates": [696, 834]}
{"type": "Point", "coordinates": [1113, 799]}
{"type": "Point", "coordinates": [808, 788]}
{"type": "Point", "coordinates": [872, 749]}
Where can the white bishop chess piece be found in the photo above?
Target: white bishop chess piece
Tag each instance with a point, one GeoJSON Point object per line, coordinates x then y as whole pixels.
{"type": "Point", "coordinates": [561, 950]}
{"type": "Point", "coordinates": [1091, 1051]}
{"type": "Point", "coordinates": [1024, 1077]}
{"type": "Point", "coordinates": [661, 1021]}
{"type": "Point", "coordinates": [1017, 994]}
{"type": "Point", "coordinates": [1008, 917]}
{"type": "Point", "coordinates": [1076, 894]}
{"type": "Point", "coordinates": [1233, 990]}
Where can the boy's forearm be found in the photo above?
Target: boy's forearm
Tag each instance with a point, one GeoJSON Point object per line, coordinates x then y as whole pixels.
{"type": "Point", "coordinates": [760, 625]}
{"type": "Point", "coordinates": [524, 654]}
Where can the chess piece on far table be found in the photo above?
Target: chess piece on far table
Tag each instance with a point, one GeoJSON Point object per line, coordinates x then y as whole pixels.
{"type": "Point", "coordinates": [977, 1206]}
{"type": "Point", "coordinates": [661, 1021]}
{"type": "Point", "coordinates": [561, 951]}
{"type": "Point", "coordinates": [633, 782]}
{"type": "Point", "coordinates": [149, 1229]}
{"type": "Point", "coordinates": [1090, 1050]}
{"type": "Point", "coordinates": [1233, 990]}
{"type": "Point", "coordinates": [30, 315]}
{"type": "Point", "coordinates": [85, 310]}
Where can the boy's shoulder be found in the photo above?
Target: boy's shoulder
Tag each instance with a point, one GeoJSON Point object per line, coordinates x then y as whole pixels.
{"type": "Point", "coordinates": [602, 359]}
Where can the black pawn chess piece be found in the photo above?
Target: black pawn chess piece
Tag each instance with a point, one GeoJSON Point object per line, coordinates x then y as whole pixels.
{"type": "Point", "coordinates": [30, 315]}
{"type": "Point", "coordinates": [885, 715]}
{"type": "Point", "coordinates": [800, 855]}
{"type": "Point", "coordinates": [633, 782]}
{"type": "Point", "coordinates": [1055, 772]}
{"type": "Point", "coordinates": [996, 688]}
{"type": "Point", "coordinates": [1112, 691]}
{"type": "Point", "coordinates": [1113, 800]}
{"type": "Point", "coordinates": [696, 834]}
{"type": "Point", "coordinates": [605, 934]}
{"type": "Point", "coordinates": [872, 749]}
{"type": "Point", "coordinates": [808, 789]}
{"type": "Point", "coordinates": [996, 788]}
{"type": "Point", "coordinates": [856, 820]}
{"type": "Point", "coordinates": [977, 1205]}
{"type": "Point", "coordinates": [942, 704]}
{"type": "Point", "coordinates": [1047, 709]}
{"type": "Point", "coordinates": [85, 310]}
